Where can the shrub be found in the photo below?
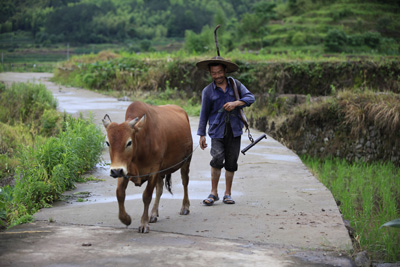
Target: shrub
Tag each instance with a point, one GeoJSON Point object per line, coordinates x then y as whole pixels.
{"type": "Point", "coordinates": [372, 39]}
{"type": "Point", "coordinates": [198, 43]}
{"type": "Point", "coordinates": [145, 45]}
{"type": "Point", "coordinates": [25, 102]}
{"type": "Point", "coordinates": [11, 137]}
{"type": "Point", "coordinates": [5, 199]}
{"type": "Point", "coordinates": [355, 40]}
{"type": "Point", "coordinates": [335, 40]}
{"type": "Point", "coordinates": [299, 39]}
{"type": "Point", "coordinates": [50, 123]}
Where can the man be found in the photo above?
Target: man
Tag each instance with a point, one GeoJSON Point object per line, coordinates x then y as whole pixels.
{"type": "Point", "coordinates": [220, 109]}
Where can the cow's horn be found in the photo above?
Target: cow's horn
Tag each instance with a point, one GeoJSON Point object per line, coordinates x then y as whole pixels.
{"type": "Point", "coordinates": [106, 121]}
{"type": "Point", "coordinates": [133, 122]}
{"type": "Point", "coordinates": [137, 125]}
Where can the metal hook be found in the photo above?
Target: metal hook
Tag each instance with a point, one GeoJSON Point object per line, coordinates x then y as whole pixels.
{"type": "Point", "coordinates": [106, 116]}
{"type": "Point", "coordinates": [215, 37]}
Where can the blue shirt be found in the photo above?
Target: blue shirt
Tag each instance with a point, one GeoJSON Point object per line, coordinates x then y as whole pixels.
{"type": "Point", "coordinates": [212, 111]}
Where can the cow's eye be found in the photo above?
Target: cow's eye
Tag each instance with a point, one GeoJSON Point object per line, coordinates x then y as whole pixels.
{"type": "Point", "coordinates": [129, 143]}
{"type": "Point", "coordinates": [107, 143]}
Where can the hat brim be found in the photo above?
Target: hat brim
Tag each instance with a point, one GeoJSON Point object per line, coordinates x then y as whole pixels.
{"type": "Point", "coordinates": [230, 66]}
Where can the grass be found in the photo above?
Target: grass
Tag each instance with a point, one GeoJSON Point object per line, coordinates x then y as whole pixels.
{"type": "Point", "coordinates": [368, 193]}
{"type": "Point", "coordinates": [173, 96]}
{"type": "Point", "coordinates": [11, 138]}
{"type": "Point", "coordinates": [44, 151]}
{"type": "Point", "coordinates": [32, 67]}
{"type": "Point", "coordinates": [368, 107]}
{"type": "Point", "coordinates": [26, 110]}
{"type": "Point", "coordinates": [129, 75]}
{"type": "Point", "coordinates": [25, 103]}
{"type": "Point", "coordinates": [49, 167]}
{"type": "Point", "coordinates": [369, 196]}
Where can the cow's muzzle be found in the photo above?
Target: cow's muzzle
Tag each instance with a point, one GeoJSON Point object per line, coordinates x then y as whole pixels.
{"type": "Point", "coordinates": [115, 173]}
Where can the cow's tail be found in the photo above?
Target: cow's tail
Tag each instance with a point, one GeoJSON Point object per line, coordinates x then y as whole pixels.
{"type": "Point", "coordinates": [168, 183]}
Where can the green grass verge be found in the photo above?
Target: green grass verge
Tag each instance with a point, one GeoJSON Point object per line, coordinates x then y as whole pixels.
{"type": "Point", "coordinates": [175, 97]}
{"type": "Point", "coordinates": [46, 152]}
{"type": "Point", "coordinates": [48, 168]}
{"type": "Point", "coordinates": [369, 196]}
{"type": "Point", "coordinates": [52, 166]}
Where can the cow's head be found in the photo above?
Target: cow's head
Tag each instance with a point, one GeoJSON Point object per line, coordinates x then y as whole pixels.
{"type": "Point", "coordinates": [121, 143]}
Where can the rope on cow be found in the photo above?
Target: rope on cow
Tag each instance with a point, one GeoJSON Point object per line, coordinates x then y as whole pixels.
{"type": "Point", "coordinates": [153, 173]}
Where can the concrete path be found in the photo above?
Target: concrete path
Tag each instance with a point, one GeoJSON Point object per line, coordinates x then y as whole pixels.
{"type": "Point", "coordinates": [283, 215]}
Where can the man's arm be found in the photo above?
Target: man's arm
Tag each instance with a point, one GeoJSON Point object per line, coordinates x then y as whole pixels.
{"type": "Point", "coordinates": [229, 106]}
{"type": "Point", "coordinates": [204, 114]}
{"type": "Point", "coordinates": [246, 96]}
{"type": "Point", "coordinates": [202, 142]}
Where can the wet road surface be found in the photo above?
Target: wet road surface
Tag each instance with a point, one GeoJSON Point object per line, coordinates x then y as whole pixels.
{"type": "Point", "coordinates": [283, 215]}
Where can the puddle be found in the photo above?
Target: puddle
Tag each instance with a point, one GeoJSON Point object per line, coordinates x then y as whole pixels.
{"type": "Point", "coordinates": [198, 190]}
{"type": "Point", "coordinates": [193, 195]}
{"type": "Point", "coordinates": [76, 197]}
{"type": "Point", "coordinates": [72, 104]}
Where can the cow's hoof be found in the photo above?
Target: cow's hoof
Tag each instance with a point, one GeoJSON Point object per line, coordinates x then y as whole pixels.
{"type": "Point", "coordinates": [144, 229]}
{"type": "Point", "coordinates": [125, 220]}
{"type": "Point", "coordinates": [153, 219]}
{"type": "Point", "coordinates": [184, 211]}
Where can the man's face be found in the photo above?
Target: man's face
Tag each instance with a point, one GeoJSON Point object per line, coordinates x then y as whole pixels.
{"type": "Point", "coordinates": [218, 74]}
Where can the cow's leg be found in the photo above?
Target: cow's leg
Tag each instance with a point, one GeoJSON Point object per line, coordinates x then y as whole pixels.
{"type": "Point", "coordinates": [159, 191]}
{"type": "Point", "coordinates": [147, 195]}
{"type": "Point", "coordinates": [121, 188]}
{"type": "Point", "coordinates": [185, 182]}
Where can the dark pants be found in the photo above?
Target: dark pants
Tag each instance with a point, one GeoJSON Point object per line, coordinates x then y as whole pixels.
{"type": "Point", "coordinates": [225, 151]}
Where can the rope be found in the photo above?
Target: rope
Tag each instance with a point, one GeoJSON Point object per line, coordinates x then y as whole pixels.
{"type": "Point", "coordinates": [145, 175]}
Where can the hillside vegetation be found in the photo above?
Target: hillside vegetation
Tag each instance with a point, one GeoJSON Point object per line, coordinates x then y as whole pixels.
{"type": "Point", "coordinates": [349, 26]}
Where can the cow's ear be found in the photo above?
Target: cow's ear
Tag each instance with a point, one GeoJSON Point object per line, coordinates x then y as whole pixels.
{"type": "Point", "coordinates": [106, 121]}
{"type": "Point", "coordinates": [138, 125]}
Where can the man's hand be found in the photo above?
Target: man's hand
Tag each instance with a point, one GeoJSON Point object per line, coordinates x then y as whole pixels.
{"type": "Point", "coordinates": [202, 142]}
{"type": "Point", "coordinates": [229, 106]}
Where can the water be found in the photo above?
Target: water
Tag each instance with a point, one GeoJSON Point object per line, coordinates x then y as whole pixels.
{"type": "Point", "coordinates": [198, 190]}
{"type": "Point", "coordinates": [72, 103]}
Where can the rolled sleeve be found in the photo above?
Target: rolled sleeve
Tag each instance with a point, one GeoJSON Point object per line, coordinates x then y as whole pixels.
{"type": "Point", "coordinates": [246, 96]}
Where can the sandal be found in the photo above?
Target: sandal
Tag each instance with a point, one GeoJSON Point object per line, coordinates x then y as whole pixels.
{"type": "Point", "coordinates": [209, 201]}
{"type": "Point", "coordinates": [228, 200]}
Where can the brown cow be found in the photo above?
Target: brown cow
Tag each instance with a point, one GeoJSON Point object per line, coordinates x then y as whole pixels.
{"type": "Point", "coordinates": [153, 142]}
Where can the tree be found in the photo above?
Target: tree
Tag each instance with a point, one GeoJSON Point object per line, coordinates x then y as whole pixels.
{"type": "Point", "coordinates": [7, 10]}
{"type": "Point", "coordinates": [73, 21]}
{"type": "Point", "coordinates": [199, 43]}
{"type": "Point", "coordinates": [255, 24]}
{"type": "Point", "coordinates": [187, 17]}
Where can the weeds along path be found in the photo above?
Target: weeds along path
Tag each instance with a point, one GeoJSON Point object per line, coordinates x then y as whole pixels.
{"type": "Point", "coordinates": [283, 215]}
